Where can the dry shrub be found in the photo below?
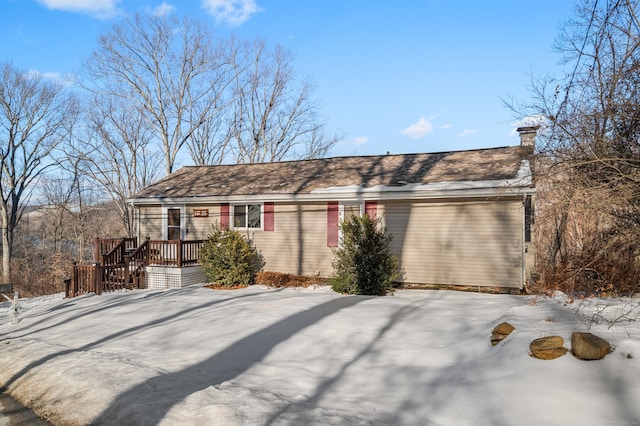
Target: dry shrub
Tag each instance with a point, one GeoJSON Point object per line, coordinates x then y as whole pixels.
{"type": "Point", "coordinates": [585, 238]}
{"type": "Point", "coordinates": [49, 239]}
{"type": "Point", "coordinates": [278, 280]}
{"type": "Point", "coordinates": [40, 274]}
{"type": "Point", "coordinates": [608, 265]}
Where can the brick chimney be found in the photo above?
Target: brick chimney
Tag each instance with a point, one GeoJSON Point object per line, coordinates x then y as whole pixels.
{"type": "Point", "coordinates": [528, 145]}
{"type": "Point", "coordinates": [528, 136]}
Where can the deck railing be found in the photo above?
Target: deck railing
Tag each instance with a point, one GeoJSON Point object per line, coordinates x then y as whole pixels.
{"type": "Point", "coordinates": [83, 280]}
{"type": "Point", "coordinates": [177, 253]}
{"type": "Point", "coordinates": [114, 248]}
{"type": "Point", "coordinates": [119, 264]}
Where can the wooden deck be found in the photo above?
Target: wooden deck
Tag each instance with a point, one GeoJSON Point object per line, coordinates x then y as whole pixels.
{"type": "Point", "coordinates": [120, 263]}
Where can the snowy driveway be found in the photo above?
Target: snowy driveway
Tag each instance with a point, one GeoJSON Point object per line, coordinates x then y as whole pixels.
{"type": "Point", "coordinates": [265, 356]}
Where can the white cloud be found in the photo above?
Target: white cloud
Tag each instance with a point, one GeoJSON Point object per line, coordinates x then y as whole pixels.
{"type": "Point", "coordinates": [419, 129]}
{"type": "Point", "coordinates": [532, 120]}
{"type": "Point", "coordinates": [361, 140]}
{"type": "Point", "coordinates": [163, 10]}
{"type": "Point", "coordinates": [58, 77]}
{"type": "Point", "coordinates": [467, 132]}
{"type": "Point", "coordinates": [53, 76]}
{"type": "Point", "coordinates": [233, 12]}
{"type": "Point", "coordinates": [99, 8]}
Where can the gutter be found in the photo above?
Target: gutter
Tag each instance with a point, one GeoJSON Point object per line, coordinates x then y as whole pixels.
{"type": "Point", "coordinates": [340, 196]}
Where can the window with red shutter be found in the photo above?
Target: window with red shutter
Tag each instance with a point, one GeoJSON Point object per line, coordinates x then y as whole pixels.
{"type": "Point", "coordinates": [268, 210]}
{"type": "Point", "coordinates": [333, 217]}
{"type": "Point", "coordinates": [224, 216]}
{"type": "Point", "coordinates": [371, 209]}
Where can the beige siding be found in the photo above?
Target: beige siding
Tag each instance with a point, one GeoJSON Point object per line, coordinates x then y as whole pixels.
{"type": "Point", "coordinates": [150, 222]}
{"type": "Point", "coordinates": [455, 242]}
{"type": "Point", "coordinates": [198, 228]}
{"type": "Point", "coordinates": [298, 244]}
{"type": "Point", "coordinates": [461, 243]}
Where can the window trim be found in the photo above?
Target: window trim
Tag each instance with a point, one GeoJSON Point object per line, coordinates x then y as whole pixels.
{"type": "Point", "coordinates": [341, 207]}
{"type": "Point", "coordinates": [343, 204]}
{"type": "Point", "coordinates": [232, 213]}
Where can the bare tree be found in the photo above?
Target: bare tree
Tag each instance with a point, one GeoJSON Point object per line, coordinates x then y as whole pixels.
{"type": "Point", "coordinates": [58, 231]}
{"type": "Point", "coordinates": [274, 116]}
{"type": "Point", "coordinates": [36, 116]}
{"type": "Point", "coordinates": [117, 152]}
{"type": "Point", "coordinates": [592, 147]}
{"type": "Point", "coordinates": [217, 100]}
{"type": "Point", "coordinates": [167, 69]}
{"type": "Point", "coordinates": [593, 119]}
{"type": "Point", "coordinates": [210, 142]}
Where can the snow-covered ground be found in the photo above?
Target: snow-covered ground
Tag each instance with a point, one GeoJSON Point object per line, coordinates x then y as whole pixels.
{"type": "Point", "coordinates": [196, 356]}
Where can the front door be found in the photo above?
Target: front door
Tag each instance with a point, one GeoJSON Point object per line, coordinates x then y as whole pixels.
{"type": "Point", "coordinates": [173, 224]}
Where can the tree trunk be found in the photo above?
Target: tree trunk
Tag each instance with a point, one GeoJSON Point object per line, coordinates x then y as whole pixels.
{"type": "Point", "coordinates": [557, 243]}
{"type": "Point", "coordinates": [6, 256]}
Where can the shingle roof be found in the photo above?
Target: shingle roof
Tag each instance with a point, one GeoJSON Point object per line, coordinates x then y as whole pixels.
{"type": "Point", "coordinates": [306, 176]}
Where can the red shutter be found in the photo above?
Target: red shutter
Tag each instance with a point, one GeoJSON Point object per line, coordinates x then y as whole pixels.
{"type": "Point", "coordinates": [370, 209]}
{"type": "Point", "coordinates": [333, 216]}
{"type": "Point", "coordinates": [224, 216]}
{"type": "Point", "coordinates": [268, 216]}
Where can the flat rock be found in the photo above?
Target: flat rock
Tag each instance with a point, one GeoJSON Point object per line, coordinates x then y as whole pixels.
{"type": "Point", "coordinates": [588, 346]}
{"type": "Point", "coordinates": [550, 353]}
{"type": "Point", "coordinates": [500, 332]}
{"type": "Point", "coordinates": [549, 347]}
{"type": "Point", "coordinates": [545, 343]}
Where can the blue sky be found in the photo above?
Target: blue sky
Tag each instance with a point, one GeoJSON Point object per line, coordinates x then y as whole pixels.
{"type": "Point", "coordinates": [399, 76]}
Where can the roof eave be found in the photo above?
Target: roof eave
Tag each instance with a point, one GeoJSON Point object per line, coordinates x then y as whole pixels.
{"type": "Point", "coordinates": [341, 195]}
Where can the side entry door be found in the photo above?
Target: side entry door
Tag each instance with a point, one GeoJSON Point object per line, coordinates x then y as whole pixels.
{"type": "Point", "coordinates": [173, 224]}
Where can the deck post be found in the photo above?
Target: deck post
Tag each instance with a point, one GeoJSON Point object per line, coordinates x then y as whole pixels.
{"type": "Point", "coordinates": [97, 278]}
{"type": "Point", "coordinates": [74, 279]}
{"type": "Point", "coordinates": [96, 250]}
{"type": "Point", "coordinates": [67, 286]}
{"type": "Point", "coordinates": [127, 273]}
{"type": "Point", "coordinates": [179, 254]}
{"type": "Point", "coordinates": [147, 252]}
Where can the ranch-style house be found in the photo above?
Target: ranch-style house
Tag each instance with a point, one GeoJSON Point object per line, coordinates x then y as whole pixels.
{"type": "Point", "coordinates": [460, 218]}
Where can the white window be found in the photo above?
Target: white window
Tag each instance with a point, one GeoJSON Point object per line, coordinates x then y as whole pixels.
{"type": "Point", "coordinates": [347, 211]}
{"type": "Point", "coordinates": [247, 216]}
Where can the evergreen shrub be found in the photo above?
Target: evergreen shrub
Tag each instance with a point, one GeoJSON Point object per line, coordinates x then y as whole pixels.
{"type": "Point", "coordinates": [229, 259]}
{"type": "Point", "coordinates": [364, 264]}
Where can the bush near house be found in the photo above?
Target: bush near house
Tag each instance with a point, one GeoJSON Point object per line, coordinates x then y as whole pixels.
{"type": "Point", "coordinates": [364, 263]}
{"type": "Point", "coordinates": [229, 259]}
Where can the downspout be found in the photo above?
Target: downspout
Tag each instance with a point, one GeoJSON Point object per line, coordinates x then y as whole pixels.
{"type": "Point", "coordinates": [525, 248]}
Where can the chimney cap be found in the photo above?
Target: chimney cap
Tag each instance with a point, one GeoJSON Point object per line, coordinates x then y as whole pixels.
{"type": "Point", "coordinates": [528, 129]}
{"type": "Point", "coordinates": [528, 135]}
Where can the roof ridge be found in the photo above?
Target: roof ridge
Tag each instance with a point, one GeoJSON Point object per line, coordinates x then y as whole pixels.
{"type": "Point", "coordinates": [339, 157]}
